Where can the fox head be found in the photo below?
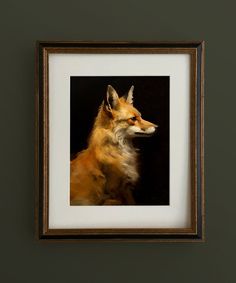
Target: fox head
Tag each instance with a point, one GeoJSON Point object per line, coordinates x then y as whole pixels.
{"type": "Point", "coordinates": [125, 119]}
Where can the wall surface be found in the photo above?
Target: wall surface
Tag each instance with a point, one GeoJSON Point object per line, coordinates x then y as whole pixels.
{"type": "Point", "coordinates": [25, 260]}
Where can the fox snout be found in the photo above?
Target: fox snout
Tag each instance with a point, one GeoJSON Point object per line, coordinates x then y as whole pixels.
{"type": "Point", "coordinates": [147, 131]}
{"type": "Point", "coordinates": [150, 130]}
{"type": "Point", "coordinates": [142, 128]}
{"type": "Point", "coordinates": [148, 126]}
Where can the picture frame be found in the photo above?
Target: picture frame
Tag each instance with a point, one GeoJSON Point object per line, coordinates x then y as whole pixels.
{"type": "Point", "coordinates": [57, 62]}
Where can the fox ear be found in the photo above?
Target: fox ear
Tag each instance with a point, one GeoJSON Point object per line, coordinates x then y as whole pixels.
{"type": "Point", "coordinates": [111, 100]}
{"type": "Point", "coordinates": [129, 96]}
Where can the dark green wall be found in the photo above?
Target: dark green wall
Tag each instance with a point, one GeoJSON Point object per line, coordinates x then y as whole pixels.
{"type": "Point", "coordinates": [25, 260]}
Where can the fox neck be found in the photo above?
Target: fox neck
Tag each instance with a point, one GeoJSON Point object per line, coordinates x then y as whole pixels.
{"type": "Point", "coordinates": [111, 146]}
{"type": "Point", "coordinates": [116, 151]}
{"type": "Point", "coordinates": [104, 137]}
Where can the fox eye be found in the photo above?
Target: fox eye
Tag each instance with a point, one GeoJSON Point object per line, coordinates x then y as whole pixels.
{"type": "Point", "coordinates": [133, 118]}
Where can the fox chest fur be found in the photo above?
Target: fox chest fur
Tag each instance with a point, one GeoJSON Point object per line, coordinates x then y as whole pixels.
{"type": "Point", "coordinates": [121, 158]}
{"type": "Point", "coordinates": [104, 174]}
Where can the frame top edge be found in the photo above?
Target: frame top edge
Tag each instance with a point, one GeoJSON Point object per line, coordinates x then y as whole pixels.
{"type": "Point", "coordinates": [126, 44]}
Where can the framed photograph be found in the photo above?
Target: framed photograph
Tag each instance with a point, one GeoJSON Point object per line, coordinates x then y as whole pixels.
{"type": "Point", "coordinates": [119, 141]}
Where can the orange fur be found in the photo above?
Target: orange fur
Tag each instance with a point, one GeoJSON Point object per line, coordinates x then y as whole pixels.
{"type": "Point", "coordinates": [105, 172]}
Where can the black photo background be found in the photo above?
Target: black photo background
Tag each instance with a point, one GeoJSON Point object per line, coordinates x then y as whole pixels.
{"type": "Point", "coordinates": [151, 98]}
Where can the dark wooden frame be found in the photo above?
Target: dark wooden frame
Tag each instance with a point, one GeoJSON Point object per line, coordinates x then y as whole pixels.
{"type": "Point", "coordinates": [196, 232]}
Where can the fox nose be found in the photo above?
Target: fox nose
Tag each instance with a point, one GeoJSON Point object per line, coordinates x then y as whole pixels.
{"type": "Point", "coordinates": [155, 127]}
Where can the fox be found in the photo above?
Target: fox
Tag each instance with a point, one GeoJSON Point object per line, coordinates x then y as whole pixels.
{"type": "Point", "coordinates": [105, 173]}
